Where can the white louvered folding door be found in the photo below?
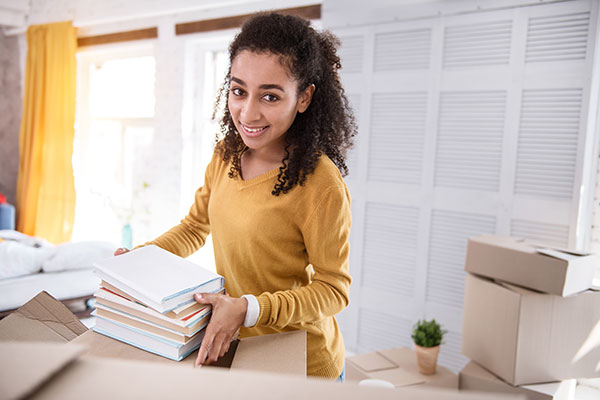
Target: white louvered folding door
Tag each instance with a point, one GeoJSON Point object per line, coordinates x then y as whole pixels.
{"type": "Point", "coordinates": [469, 124]}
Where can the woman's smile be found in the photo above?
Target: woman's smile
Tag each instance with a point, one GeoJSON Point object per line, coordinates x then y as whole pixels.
{"type": "Point", "coordinates": [253, 131]}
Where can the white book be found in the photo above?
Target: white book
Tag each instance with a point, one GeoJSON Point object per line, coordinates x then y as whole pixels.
{"type": "Point", "coordinates": [157, 278]}
{"type": "Point", "coordinates": [147, 341]}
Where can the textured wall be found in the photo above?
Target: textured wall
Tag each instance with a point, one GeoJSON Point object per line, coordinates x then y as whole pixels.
{"type": "Point", "coordinates": [10, 115]}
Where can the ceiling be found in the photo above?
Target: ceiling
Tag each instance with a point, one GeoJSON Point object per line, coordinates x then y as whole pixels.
{"type": "Point", "coordinates": [18, 14]}
{"type": "Point", "coordinates": [13, 13]}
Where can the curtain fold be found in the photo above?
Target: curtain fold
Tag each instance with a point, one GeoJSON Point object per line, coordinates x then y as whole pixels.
{"type": "Point", "coordinates": [45, 187]}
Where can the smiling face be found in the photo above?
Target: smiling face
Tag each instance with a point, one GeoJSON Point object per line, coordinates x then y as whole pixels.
{"type": "Point", "coordinates": [263, 101]}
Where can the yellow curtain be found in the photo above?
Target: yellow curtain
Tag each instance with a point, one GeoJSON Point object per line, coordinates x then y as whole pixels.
{"type": "Point", "coordinates": [45, 187]}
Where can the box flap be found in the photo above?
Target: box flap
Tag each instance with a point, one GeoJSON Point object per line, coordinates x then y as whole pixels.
{"type": "Point", "coordinates": [284, 353]}
{"type": "Point", "coordinates": [406, 359]}
{"type": "Point", "coordinates": [399, 377]}
{"type": "Point", "coordinates": [108, 379]}
{"type": "Point", "coordinates": [399, 367]}
{"type": "Point", "coordinates": [26, 366]}
{"type": "Point", "coordinates": [555, 390]}
{"type": "Point", "coordinates": [42, 319]}
{"type": "Point", "coordinates": [558, 254]}
{"type": "Point", "coordinates": [373, 362]}
{"type": "Point", "coordinates": [572, 252]}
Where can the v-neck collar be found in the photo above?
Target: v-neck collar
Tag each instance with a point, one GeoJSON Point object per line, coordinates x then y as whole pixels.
{"type": "Point", "coordinates": [242, 184]}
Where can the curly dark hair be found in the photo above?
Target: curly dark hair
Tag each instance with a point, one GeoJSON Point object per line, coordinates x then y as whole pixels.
{"type": "Point", "coordinates": [326, 127]}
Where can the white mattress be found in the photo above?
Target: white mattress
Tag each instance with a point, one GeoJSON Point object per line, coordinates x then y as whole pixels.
{"type": "Point", "coordinates": [15, 292]}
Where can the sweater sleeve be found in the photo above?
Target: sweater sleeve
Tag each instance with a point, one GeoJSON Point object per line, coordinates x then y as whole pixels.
{"type": "Point", "coordinates": [187, 237]}
{"type": "Point", "coordinates": [326, 235]}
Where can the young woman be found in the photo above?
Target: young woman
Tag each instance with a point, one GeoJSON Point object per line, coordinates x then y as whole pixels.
{"type": "Point", "coordinates": [273, 198]}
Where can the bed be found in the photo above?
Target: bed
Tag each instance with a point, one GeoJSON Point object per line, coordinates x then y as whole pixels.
{"type": "Point", "coordinates": [29, 265]}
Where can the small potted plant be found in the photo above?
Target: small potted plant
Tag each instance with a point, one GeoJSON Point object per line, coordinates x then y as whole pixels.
{"type": "Point", "coordinates": [427, 336]}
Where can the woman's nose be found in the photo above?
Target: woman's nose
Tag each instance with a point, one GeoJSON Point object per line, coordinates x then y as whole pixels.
{"type": "Point", "coordinates": [250, 111]}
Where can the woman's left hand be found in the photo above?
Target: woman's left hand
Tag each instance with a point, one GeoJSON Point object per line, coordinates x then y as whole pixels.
{"type": "Point", "coordinates": [227, 316]}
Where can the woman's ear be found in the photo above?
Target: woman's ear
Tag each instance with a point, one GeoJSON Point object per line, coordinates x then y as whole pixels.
{"type": "Point", "coordinates": [305, 97]}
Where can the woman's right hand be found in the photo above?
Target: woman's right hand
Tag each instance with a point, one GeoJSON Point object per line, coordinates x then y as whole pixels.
{"type": "Point", "coordinates": [121, 250]}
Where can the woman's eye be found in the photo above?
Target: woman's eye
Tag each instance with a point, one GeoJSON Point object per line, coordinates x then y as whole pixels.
{"type": "Point", "coordinates": [237, 91]}
{"type": "Point", "coordinates": [270, 98]}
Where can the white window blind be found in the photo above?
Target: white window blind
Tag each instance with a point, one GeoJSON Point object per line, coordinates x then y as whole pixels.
{"type": "Point", "coordinates": [469, 124]}
{"type": "Point", "coordinates": [469, 142]}
{"type": "Point", "coordinates": [402, 50]}
{"type": "Point", "coordinates": [392, 157]}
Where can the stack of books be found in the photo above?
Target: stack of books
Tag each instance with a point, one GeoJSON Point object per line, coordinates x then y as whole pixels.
{"type": "Point", "coordinates": [146, 299]}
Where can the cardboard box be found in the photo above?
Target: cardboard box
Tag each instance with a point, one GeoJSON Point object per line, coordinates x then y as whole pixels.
{"type": "Point", "coordinates": [474, 377]}
{"type": "Point", "coordinates": [69, 375]}
{"type": "Point", "coordinates": [399, 367]}
{"type": "Point", "coordinates": [526, 337]}
{"type": "Point", "coordinates": [523, 263]}
{"type": "Point", "coordinates": [45, 319]}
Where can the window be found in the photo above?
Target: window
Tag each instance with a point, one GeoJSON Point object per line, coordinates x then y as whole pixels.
{"type": "Point", "coordinates": [207, 62]}
{"type": "Point", "coordinates": [113, 142]}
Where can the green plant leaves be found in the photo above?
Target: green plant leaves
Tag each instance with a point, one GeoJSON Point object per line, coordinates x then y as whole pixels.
{"type": "Point", "coordinates": [428, 333]}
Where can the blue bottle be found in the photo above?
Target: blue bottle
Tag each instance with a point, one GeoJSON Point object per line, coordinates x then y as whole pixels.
{"type": "Point", "coordinates": [7, 214]}
{"type": "Point", "coordinates": [127, 236]}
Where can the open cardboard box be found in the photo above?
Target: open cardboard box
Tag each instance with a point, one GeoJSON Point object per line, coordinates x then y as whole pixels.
{"type": "Point", "coordinates": [44, 319]}
{"type": "Point", "coordinates": [524, 263]}
{"type": "Point", "coordinates": [527, 337]}
{"type": "Point", "coordinates": [399, 367]}
{"type": "Point", "coordinates": [44, 355]}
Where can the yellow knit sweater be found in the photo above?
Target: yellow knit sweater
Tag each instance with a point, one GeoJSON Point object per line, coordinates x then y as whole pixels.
{"type": "Point", "coordinates": [291, 251]}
